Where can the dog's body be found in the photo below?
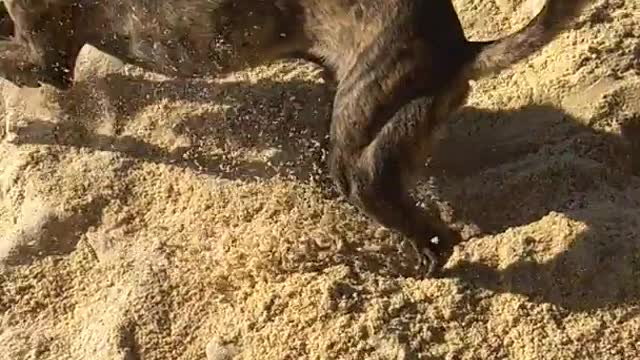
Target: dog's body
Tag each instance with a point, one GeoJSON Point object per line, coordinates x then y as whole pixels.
{"type": "Point", "coordinates": [401, 67]}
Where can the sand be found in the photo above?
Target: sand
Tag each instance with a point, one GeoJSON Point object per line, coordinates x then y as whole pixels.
{"type": "Point", "coordinates": [143, 217]}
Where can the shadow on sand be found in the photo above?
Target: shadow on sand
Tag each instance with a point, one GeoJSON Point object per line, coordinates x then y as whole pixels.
{"type": "Point", "coordinates": [500, 170]}
{"type": "Point", "coordinates": [298, 113]}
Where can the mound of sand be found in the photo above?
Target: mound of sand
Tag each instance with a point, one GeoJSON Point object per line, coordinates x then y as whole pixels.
{"type": "Point", "coordinates": [151, 218]}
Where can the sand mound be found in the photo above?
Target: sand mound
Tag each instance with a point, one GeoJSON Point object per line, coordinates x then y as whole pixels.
{"type": "Point", "coordinates": [152, 218]}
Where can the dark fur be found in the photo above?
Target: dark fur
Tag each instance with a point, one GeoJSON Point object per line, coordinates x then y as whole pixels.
{"type": "Point", "coordinates": [401, 67]}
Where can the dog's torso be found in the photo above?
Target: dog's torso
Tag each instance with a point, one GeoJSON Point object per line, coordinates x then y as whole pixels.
{"type": "Point", "coordinates": [209, 37]}
{"type": "Point", "coordinates": [192, 37]}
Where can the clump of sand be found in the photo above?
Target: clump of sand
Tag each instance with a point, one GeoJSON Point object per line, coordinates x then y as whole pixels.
{"type": "Point", "coordinates": [152, 218]}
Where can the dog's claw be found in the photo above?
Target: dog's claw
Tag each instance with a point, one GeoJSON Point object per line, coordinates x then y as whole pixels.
{"type": "Point", "coordinates": [430, 260]}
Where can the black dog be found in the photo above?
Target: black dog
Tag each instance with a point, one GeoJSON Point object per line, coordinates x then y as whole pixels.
{"type": "Point", "coordinates": [401, 68]}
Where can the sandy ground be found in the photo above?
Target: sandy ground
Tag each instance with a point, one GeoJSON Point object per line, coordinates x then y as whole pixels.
{"type": "Point", "coordinates": [150, 218]}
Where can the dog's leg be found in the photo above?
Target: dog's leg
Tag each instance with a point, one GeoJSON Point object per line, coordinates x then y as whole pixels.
{"type": "Point", "coordinates": [44, 45]}
{"type": "Point", "coordinates": [6, 24]}
{"type": "Point", "coordinates": [17, 65]}
{"type": "Point", "coordinates": [372, 162]}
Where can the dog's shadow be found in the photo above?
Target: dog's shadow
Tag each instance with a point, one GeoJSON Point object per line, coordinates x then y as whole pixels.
{"type": "Point", "coordinates": [496, 169]}
{"type": "Point", "coordinates": [505, 169]}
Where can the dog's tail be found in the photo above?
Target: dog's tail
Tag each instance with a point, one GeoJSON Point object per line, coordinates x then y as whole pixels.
{"type": "Point", "coordinates": [496, 55]}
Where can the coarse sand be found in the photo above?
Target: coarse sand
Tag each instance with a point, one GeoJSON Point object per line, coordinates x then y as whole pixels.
{"type": "Point", "coordinates": [144, 217]}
